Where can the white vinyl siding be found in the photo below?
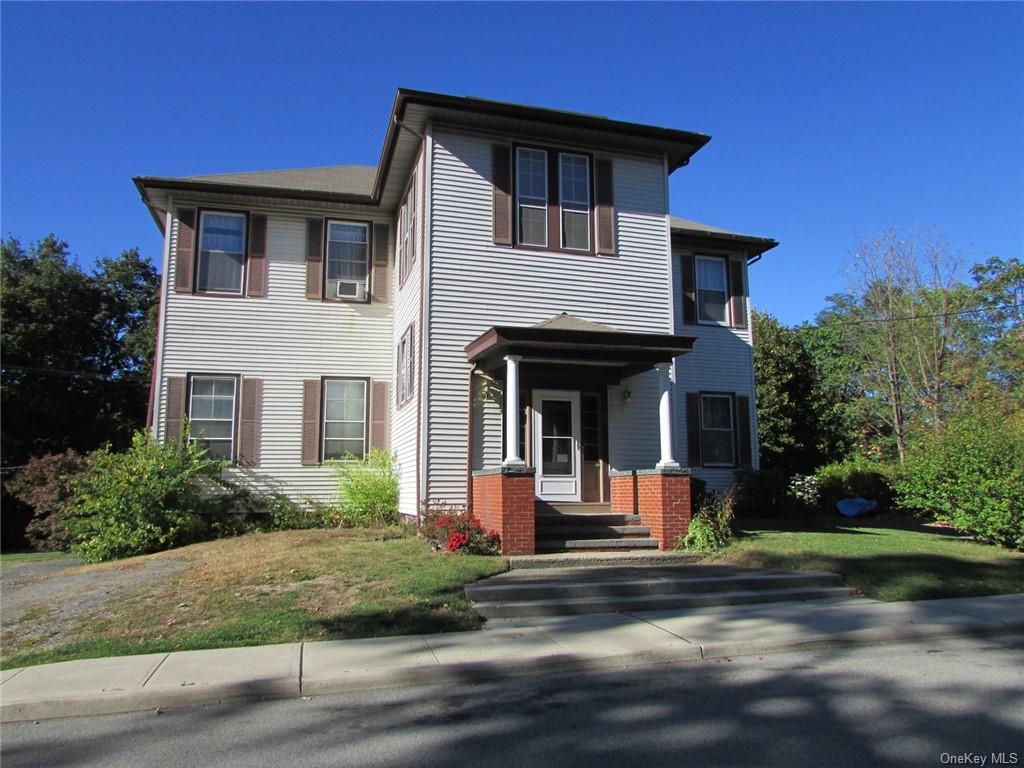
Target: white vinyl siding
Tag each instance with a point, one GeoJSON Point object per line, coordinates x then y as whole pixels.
{"type": "Point", "coordinates": [475, 285]}
{"type": "Point", "coordinates": [282, 340]}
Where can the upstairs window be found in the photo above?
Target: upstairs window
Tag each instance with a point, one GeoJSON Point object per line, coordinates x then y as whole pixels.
{"type": "Point", "coordinates": [716, 431]}
{"type": "Point", "coordinates": [344, 419]}
{"type": "Point", "coordinates": [221, 252]}
{"type": "Point", "coordinates": [407, 231]}
{"type": "Point", "coordinates": [532, 196]}
{"type": "Point", "coordinates": [348, 260]}
{"type": "Point", "coordinates": [211, 414]}
{"type": "Point", "coordinates": [712, 291]}
{"type": "Point", "coordinates": [574, 193]}
{"type": "Point", "coordinates": [406, 367]}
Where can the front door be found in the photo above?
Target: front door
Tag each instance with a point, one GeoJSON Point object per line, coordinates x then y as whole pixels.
{"type": "Point", "coordinates": [556, 444]}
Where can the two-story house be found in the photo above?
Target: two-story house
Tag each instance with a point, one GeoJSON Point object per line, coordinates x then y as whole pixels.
{"type": "Point", "coordinates": [501, 260]}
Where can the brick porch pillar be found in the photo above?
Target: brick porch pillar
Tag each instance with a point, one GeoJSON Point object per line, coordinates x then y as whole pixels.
{"type": "Point", "coordinates": [663, 503]}
{"type": "Point", "coordinates": [623, 492]}
{"type": "Point", "coordinates": [503, 499]}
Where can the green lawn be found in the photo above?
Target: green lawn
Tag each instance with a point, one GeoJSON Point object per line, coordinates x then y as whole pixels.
{"type": "Point", "coordinates": [261, 589]}
{"type": "Point", "coordinates": [33, 557]}
{"type": "Point", "coordinates": [882, 562]}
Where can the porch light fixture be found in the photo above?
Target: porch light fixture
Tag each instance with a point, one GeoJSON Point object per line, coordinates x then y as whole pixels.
{"type": "Point", "coordinates": [626, 394]}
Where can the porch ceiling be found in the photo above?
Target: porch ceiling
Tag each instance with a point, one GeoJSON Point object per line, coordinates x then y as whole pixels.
{"type": "Point", "coordinates": [609, 354]}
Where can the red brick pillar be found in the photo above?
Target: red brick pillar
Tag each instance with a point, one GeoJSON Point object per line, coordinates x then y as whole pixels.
{"type": "Point", "coordinates": [623, 492]}
{"type": "Point", "coordinates": [503, 499]}
{"type": "Point", "coordinates": [663, 503]}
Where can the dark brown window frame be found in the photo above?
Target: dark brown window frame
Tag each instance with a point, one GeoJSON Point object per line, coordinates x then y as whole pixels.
{"type": "Point", "coordinates": [554, 207]}
{"type": "Point", "coordinates": [410, 333]}
{"type": "Point", "coordinates": [198, 246]}
{"type": "Point", "coordinates": [322, 429]}
{"type": "Point", "coordinates": [235, 416]}
{"type": "Point", "coordinates": [368, 223]}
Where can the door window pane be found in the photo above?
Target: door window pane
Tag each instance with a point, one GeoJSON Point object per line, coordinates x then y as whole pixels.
{"type": "Point", "coordinates": [557, 445]}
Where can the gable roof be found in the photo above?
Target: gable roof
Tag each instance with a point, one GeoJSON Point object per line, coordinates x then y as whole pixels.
{"type": "Point", "coordinates": [333, 179]}
{"type": "Point", "coordinates": [567, 322]}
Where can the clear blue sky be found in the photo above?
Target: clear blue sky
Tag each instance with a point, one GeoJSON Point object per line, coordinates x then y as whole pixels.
{"type": "Point", "coordinates": [828, 121]}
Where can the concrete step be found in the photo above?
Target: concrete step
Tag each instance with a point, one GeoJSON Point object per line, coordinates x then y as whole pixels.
{"type": "Point", "coordinates": [573, 561]}
{"type": "Point", "coordinates": [574, 508]}
{"type": "Point", "coordinates": [611, 604]}
{"type": "Point", "coordinates": [572, 545]}
{"type": "Point", "coordinates": [524, 589]}
{"type": "Point", "coordinates": [591, 531]}
{"type": "Point", "coordinates": [549, 519]}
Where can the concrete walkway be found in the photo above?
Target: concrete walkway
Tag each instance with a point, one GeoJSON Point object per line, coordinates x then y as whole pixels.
{"type": "Point", "coordinates": [504, 648]}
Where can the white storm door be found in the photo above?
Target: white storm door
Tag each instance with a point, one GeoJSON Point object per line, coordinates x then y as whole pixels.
{"type": "Point", "coordinates": [556, 446]}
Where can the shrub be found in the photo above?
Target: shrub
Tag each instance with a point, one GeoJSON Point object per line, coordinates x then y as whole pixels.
{"type": "Point", "coordinates": [44, 486]}
{"type": "Point", "coordinates": [150, 498]}
{"type": "Point", "coordinates": [764, 493]}
{"type": "Point", "coordinates": [711, 527]}
{"type": "Point", "coordinates": [970, 473]}
{"type": "Point", "coordinates": [455, 530]}
{"type": "Point", "coordinates": [272, 512]}
{"type": "Point", "coordinates": [805, 491]}
{"type": "Point", "coordinates": [856, 478]}
{"type": "Point", "coordinates": [368, 491]}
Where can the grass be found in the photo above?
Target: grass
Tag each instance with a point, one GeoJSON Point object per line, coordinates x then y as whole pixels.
{"type": "Point", "coordinates": [266, 588]}
{"type": "Point", "coordinates": [35, 557]}
{"type": "Point", "coordinates": [885, 563]}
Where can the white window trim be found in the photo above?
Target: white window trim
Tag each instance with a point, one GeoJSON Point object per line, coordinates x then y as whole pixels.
{"type": "Point", "coordinates": [731, 430]}
{"type": "Point", "coordinates": [323, 416]}
{"type": "Point", "coordinates": [245, 247]}
{"type": "Point", "coordinates": [327, 258]}
{"type": "Point", "coordinates": [520, 205]}
{"type": "Point", "coordinates": [561, 204]}
{"type": "Point", "coordinates": [234, 410]}
{"type": "Point", "coordinates": [724, 261]}
{"type": "Point", "coordinates": [406, 368]}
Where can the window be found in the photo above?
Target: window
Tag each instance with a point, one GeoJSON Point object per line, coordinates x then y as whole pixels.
{"type": "Point", "coordinates": [716, 431]}
{"type": "Point", "coordinates": [406, 368]}
{"type": "Point", "coordinates": [712, 290]}
{"type": "Point", "coordinates": [344, 416]}
{"type": "Point", "coordinates": [211, 414]}
{"type": "Point", "coordinates": [407, 231]}
{"type": "Point", "coordinates": [348, 260]}
{"type": "Point", "coordinates": [221, 252]}
{"type": "Point", "coordinates": [532, 196]}
{"type": "Point", "coordinates": [574, 197]}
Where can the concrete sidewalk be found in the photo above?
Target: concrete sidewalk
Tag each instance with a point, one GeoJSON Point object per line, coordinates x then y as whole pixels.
{"type": "Point", "coordinates": [504, 648]}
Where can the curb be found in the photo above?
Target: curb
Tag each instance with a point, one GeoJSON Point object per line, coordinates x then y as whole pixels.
{"type": "Point", "coordinates": [299, 686]}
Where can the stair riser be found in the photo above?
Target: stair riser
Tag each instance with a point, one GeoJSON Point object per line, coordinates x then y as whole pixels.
{"type": "Point", "coordinates": [593, 545]}
{"type": "Point", "coordinates": [527, 592]}
{"type": "Point", "coordinates": [669, 602]}
{"type": "Point", "coordinates": [566, 521]}
{"type": "Point", "coordinates": [594, 532]}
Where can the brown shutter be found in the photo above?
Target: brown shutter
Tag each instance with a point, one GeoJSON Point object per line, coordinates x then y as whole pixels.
{"type": "Point", "coordinates": [737, 295]}
{"type": "Point", "coordinates": [743, 432]}
{"type": "Point", "coordinates": [249, 422]}
{"type": "Point", "coordinates": [605, 208]}
{"type": "Point", "coordinates": [184, 254]}
{"type": "Point", "coordinates": [380, 262]}
{"type": "Point", "coordinates": [501, 177]}
{"type": "Point", "coordinates": [314, 258]}
{"type": "Point", "coordinates": [257, 266]}
{"type": "Point", "coordinates": [311, 422]}
{"type": "Point", "coordinates": [379, 414]}
{"type": "Point", "coordinates": [689, 290]}
{"type": "Point", "coordinates": [693, 428]}
{"type": "Point", "coordinates": [173, 423]}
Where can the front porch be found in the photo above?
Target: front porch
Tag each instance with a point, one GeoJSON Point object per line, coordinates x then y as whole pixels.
{"type": "Point", "coordinates": [561, 476]}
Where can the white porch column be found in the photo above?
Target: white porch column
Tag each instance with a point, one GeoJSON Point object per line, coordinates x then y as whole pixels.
{"type": "Point", "coordinates": [665, 416]}
{"type": "Point", "coordinates": [512, 457]}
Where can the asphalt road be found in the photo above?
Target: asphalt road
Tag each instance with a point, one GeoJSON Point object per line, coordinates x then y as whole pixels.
{"type": "Point", "coordinates": [924, 704]}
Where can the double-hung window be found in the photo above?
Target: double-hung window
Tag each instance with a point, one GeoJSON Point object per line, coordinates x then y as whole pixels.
{"type": "Point", "coordinates": [407, 232]}
{"type": "Point", "coordinates": [211, 414]}
{"type": "Point", "coordinates": [532, 196]}
{"type": "Point", "coordinates": [348, 260]}
{"type": "Point", "coordinates": [344, 419]}
{"type": "Point", "coordinates": [221, 252]}
{"type": "Point", "coordinates": [712, 290]}
{"type": "Point", "coordinates": [716, 431]}
{"type": "Point", "coordinates": [574, 199]}
{"type": "Point", "coordinates": [406, 367]}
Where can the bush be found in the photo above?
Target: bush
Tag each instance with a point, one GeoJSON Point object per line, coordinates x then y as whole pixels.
{"type": "Point", "coordinates": [711, 527]}
{"type": "Point", "coordinates": [970, 473]}
{"type": "Point", "coordinates": [453, 529]}
{"type": "Point", "coordinates": [368, 491]}
{"type": "Point", "coordinates": [274, 512]}
{"type": "Point", "coordinates": [44, 486]}
{"type": "Point", "coordinates": [762, 494]}
{"type": "Point", "coordinates": [150, 498]}
{"type": "Point", "coordinates": [856, 478]}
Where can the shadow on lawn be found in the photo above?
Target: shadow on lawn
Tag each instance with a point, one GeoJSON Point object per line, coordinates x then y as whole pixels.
{"type": "Point", "coordinates": [378, 621]}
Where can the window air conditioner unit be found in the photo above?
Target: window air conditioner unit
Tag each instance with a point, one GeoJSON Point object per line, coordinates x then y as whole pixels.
{"type": "Point", "coordinates": [352, 289]}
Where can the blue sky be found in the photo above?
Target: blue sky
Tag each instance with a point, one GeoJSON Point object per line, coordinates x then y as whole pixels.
{"type": "Point", "coordinates": [829, 121]}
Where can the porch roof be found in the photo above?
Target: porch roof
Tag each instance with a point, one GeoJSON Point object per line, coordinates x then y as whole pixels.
{"type": "Point", "coordinates": [565, 340]}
